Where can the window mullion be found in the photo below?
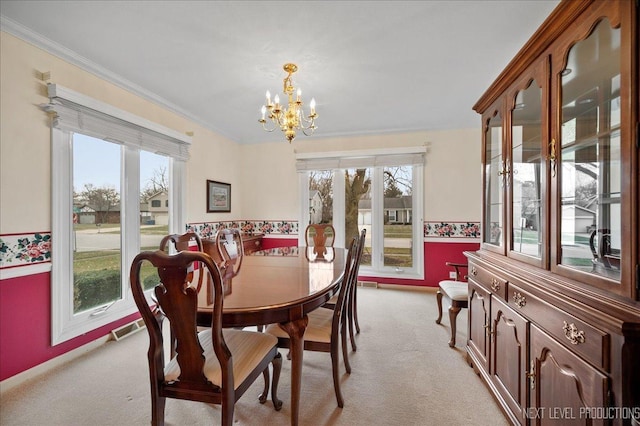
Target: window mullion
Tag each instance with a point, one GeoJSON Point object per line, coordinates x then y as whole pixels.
{"type": "Point", "coordinates": [129, 211]}
{"type": "Point", "coordinates": [417, 216]}
{"type": "Point", "coordinates": [377, 219]}
{"type": "Point", "coordinates": [303, 180]}
{"type": "Point", "coordinates": [339, 207]}
{"type": "Point", "coordinates": [177, 196]}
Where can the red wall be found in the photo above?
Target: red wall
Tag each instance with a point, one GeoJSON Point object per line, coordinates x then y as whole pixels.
{"type": "Point", "coordinates": [25, 325]}
{"type": "Point", "coordinates": [25, 308]}
{"type": "Point", "coordinates": [268, 243]}
{"type": "Point", "coordinates": [436, 254]}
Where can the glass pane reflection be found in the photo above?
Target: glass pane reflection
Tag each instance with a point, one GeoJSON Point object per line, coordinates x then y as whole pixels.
{"type": "Point", "coordinates": [526, 141]}
{"type": "Point", "coordinates": [321, 268]}
{"type": "Point", "coordinates": [590, 155]}
{"type": "Point", "coordinates": [492, 233]}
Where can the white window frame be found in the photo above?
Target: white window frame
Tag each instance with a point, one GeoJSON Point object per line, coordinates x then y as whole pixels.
{"type": "Point", "coordinates": [76, 113]}
{"type": "Point", "coordinates": [375, 160]}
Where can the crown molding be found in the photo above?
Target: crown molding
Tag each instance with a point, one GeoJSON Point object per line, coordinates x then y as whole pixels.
{"type": "Point", "coordinates": [26, 34]}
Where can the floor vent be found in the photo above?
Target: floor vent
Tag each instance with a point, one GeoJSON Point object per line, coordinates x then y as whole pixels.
{"type": "Point", "coordinates": [372, 284]}
{"type": "Point", "coordinates": [127, 330]}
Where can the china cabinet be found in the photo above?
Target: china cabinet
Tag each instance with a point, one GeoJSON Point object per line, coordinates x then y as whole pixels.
{"type": "Point", "coordinates": [554, 317]}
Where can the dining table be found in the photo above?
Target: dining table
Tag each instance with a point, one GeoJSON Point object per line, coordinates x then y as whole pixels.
{"type": "Point", "coordinates": [279, 286]}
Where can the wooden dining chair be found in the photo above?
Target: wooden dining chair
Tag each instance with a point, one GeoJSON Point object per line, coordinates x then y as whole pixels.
{"type": "Point", "coordinates": [215, 365]}
{"type": "Point", "coordinates": [320, 235]}
{"type": "Point", "coordinates": [230, 248]}
{"type": "Point", "coordinates": [353, 306]}
{"type": "Point", "coordinates": [457, 292]}
{"type": "Point", "coordinates": [188, 241]}
{"type": "Point", "coordinates": [352, 311]}
{"type": "Point", "coordinates": [326, 329]}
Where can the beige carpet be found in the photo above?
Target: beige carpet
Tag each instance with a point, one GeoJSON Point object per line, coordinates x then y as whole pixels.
{"type": "Point", "coordinates": [403, 373]}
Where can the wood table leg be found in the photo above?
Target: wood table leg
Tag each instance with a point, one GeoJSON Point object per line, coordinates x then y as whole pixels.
{"type": "Point", "coordinates": [295, 329]}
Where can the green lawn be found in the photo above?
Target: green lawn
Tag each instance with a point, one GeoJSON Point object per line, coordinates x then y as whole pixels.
{"type": "Point", "coordinates": [114, 228]}
{"type": "Point", "coordinates": [85, 261]}
{"type": "Point", "coordinates": [102, 268]}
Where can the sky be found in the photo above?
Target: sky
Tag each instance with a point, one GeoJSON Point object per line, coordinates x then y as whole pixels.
{"type": "Point", "coordinates": [98, 162]}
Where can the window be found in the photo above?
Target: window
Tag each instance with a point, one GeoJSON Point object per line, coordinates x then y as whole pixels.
{"type": "Point", "coordinates": [378, 191]}
{"type": "Point", "coordinates": [104, 163]}
{"type": "Point", "coordinates": [97, 250]}
{"type": "Point", "coordinates": [155, 203]}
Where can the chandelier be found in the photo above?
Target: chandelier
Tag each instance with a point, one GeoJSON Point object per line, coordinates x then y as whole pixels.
{"type": "Point", "coordinates": [292, 117]}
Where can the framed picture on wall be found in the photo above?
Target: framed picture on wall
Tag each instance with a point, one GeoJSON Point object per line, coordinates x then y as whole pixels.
{"type": "Point", "coordinates": [218, 197]}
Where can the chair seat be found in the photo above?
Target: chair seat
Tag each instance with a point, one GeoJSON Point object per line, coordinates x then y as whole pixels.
{"type": "Point", "coordinates": [247, 347]}
{"type": "Point", "coordinates": [455, 290]}
{"type": "Point", "coordinates": [318, 329]}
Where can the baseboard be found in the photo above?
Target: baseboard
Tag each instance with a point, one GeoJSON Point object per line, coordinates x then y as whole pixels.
{"type": "Point", "coordinates": [39, 369]}
{"type": "Point", "coordinates": [421, 288]}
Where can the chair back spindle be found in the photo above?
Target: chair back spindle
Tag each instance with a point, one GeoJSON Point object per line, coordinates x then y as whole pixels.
{"type": "Point", "coordinates": [189, 241]}
{"type": "Point", "coordinates": [320, 235]}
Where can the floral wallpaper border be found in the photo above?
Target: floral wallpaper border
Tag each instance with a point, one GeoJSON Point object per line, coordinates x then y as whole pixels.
{"type": "Point", "coordinates": [267, 227]}
{"type": "Point", "coordinates": [451, 230]}
{"type": "Point", "coordinates": [25, 249]}
{"type": "Point", "coordinates": [430, 229]}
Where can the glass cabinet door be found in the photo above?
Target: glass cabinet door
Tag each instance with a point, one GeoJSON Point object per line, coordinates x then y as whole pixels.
{"type": "Point", "coordinates": [494, 182]}
{"type": "Point", "coordinates": [590, 168]}
{"type": "Point", "coordinates": [525, 177]}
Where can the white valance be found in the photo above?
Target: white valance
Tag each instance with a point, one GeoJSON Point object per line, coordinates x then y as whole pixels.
{"type": "Point", "coordinates": [78, 113]}
{"type": "Point", "coordinates": [361, 159]}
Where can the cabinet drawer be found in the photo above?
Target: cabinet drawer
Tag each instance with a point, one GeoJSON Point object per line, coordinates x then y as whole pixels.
{"type": "Point", "coordinates": [252, 243]}
{"type": "Point", "coordinates": [589, 342]}
{"type": "Point", "coordinates": [487, 279]}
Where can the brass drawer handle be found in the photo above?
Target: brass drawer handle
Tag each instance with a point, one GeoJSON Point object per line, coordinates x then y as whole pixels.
{"type": "Point", "coordinates": [519, 300]}
{"type": "Point", "coordinates": [495, 285]}
{"type": "Point", "coordinates": [572, 334]}
{"type": "Point", "coordinates": [474, 271]}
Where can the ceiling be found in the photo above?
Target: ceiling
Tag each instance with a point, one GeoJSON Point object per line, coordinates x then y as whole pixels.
{"type": "Point", "coordinates": [373, 67]}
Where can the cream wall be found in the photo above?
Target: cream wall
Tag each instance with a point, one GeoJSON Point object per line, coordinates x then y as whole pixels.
{"type": "Point", "coordinates": [25, 141]}
{"type": "Point", "coordinates": [269, 182]}
{"type": "Point", "coordinates": [452, 173]}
